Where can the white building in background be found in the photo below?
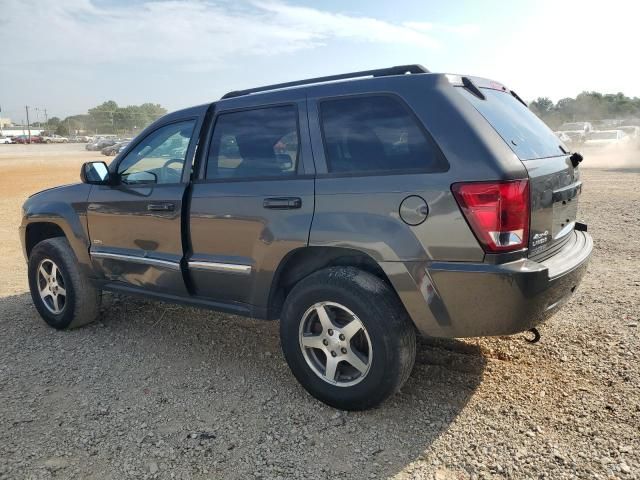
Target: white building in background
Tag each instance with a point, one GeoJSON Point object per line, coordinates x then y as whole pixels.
{"type": "Point", "coordinates": [8, 129]}
{"type": "Point", "coordinates": [15, 131]}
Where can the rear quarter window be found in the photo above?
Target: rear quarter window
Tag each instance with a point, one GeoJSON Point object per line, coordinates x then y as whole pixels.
{"type": "Point", "coordinates": [527, 135]}
{"type": "Point", "coordinates": [376, 133]}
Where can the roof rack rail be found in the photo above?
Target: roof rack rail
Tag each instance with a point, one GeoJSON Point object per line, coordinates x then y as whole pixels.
{"type": "Point", "coordinates": [381, 72]}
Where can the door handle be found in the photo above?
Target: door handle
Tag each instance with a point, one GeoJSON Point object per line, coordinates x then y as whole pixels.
{"type": "Point", "coordinates": [160, 207]}
{"type": "Point", "coordinates": [282, 203]}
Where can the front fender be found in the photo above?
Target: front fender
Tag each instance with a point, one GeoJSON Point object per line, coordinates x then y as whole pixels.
{"type": "Point", "coordinates": [65, 207]}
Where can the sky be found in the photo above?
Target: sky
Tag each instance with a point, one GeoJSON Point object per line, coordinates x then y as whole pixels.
{"type": "Point", "coordinates": [66, 56]}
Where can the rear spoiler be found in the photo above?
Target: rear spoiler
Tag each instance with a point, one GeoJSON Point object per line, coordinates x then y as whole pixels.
{"type": "Point", "coordinates": [459, 81]}
{"type": "Point", "coordinates": [474, 84]}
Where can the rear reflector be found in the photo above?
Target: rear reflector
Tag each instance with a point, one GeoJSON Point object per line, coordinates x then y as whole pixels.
{"type": "Point", "coordinates": [498, 213]}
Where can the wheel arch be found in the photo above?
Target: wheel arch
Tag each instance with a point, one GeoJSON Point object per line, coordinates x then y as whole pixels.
{"type": "Point", "coordinates": [59, 216]}
{"type": "Point", "coordinates": [37, 232]}
{"type": "Point", "coordinates": [302, 262]}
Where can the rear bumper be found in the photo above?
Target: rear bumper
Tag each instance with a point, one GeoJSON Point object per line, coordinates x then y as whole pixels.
{"type": "Point", "coordinates": [448, 299]}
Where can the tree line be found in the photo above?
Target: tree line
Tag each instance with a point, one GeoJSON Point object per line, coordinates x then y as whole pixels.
{"type": "Point", "coordinates": [108, 118]}
{"type": "Point", "coordinates": [587, 106]}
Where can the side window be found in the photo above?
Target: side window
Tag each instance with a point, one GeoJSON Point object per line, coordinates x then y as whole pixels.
{"type": "Point", "coordinates": [159, 158]}
{"type": "Point", "coordinates": [254, 143]}
{"type": "Point", "coordinates": [372, 133]}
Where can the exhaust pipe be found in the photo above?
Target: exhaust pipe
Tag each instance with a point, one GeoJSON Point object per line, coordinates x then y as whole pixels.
{"type": "Point", "coordinates": [536, 336]}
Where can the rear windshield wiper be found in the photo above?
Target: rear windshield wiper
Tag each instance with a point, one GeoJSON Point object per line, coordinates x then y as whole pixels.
{"type": "Point", "coordinates": [517, 97]}
{"type": "Point", "coordinates": [469, 85]}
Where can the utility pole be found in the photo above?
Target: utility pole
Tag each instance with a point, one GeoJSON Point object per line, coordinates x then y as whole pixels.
{"type": "Point", "coordinates": [0, 120]}
{"type": "Point", "coordinates": [46, 121]}
{"type": "Point", "coordinates": [26, 107]}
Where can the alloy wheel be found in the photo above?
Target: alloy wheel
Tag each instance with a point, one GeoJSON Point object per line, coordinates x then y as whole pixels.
{"type": "Point", "coordinates": [335, 344]}
{"type": "Point", "coordinates": [51, 286]}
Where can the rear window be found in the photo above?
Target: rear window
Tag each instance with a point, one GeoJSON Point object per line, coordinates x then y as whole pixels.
{"type": "Point", "coordinates": [254, 143]}
{"type": "Point", "coordinates": [376, 133]}
{"type": "Point", "coordinates": [524, 132]}
{"type": "Point", "coordinates": [603, 136]}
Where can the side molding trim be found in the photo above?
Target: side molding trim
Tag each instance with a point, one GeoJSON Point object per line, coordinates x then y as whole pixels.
{"type": "Point", "coordinates": [221, 267]}
{"type": "Point", "coordinates": [134, 259]}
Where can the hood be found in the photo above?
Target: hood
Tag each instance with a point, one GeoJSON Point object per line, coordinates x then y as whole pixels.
{"type": "Point", "coordinates": [65, 196]}
{"type": "Point", "coordinates": [59, 187]}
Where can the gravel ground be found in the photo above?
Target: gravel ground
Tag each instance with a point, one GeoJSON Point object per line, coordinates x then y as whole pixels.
{"type": "Point", "coordinates": [159, 391]}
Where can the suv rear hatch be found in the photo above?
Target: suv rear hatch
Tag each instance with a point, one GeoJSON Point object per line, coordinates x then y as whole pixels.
{"type": "Point", "coordinates": [555, 184]}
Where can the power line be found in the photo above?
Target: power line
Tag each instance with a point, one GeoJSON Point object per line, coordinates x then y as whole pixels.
{"type": "Point", "coordinates": [26, 107]}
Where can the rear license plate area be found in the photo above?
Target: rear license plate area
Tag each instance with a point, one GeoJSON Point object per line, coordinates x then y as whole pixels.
{"type": "Point", "coordinates": [565, 213]}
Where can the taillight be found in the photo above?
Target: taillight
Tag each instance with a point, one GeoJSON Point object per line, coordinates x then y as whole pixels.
{"type": "Point", "coordinates": [498, 213]}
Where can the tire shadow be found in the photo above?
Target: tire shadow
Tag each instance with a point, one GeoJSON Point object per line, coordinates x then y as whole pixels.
{"type": "Point", "coordinates": [213, 392]}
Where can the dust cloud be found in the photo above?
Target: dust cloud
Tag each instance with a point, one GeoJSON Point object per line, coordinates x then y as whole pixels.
{"type": "Point", "coordinates": [627, 157]}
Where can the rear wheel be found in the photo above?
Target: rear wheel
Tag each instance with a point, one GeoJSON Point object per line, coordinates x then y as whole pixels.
{"type": "Point", "coordinates": [63, 296]}
{"type": "Point", "coordinates": [347, 338]}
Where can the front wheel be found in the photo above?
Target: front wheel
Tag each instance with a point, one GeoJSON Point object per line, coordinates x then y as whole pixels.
{"type": "Point", "coordinates": [63, 296]}
{"type": "Point", "coordinates": [347, 338]}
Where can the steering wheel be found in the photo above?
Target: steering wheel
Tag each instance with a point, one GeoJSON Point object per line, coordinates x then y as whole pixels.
{"type": "Point", "coordinates": [171, 175]}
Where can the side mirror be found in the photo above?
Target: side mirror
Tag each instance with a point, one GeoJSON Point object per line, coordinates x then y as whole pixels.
{"type": "Point", "coordinates": [94, 173]}
{"type": "Point", "coordinates": [139, 178]}
{"type": "Point", "coordinates": [284, 160]}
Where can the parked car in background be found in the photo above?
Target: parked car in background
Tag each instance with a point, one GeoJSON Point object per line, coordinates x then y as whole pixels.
{"type": "Point", "coordinates": [564, 138]}
{"type": "Point", "coordinates": [24, 139]}
{"type": "Point", "coordinates": [54, 139]}
{"type": "Point", "coordinates": [5, 140]}
{"type": "Point", "coordinates": [357, 212]}
{"type": "Point", "coordinates": [577, 131]}
{"type": "Point", "coordinates": [607, 124]}
{"type": "Point", "coordinates": [633, 132]}
{"type": "Point", "coordinates": [585, 127]}
{"type": "Point", "coordinates": [80, 139]}
{"type": "Point", "coordinates": [606, 139]}
{"type": "Point", "coordinates": [114, 149]}
{"type": "Point", "coordinates": [100, 143]}
{"type": "Point", "coordinates": [575, 138]}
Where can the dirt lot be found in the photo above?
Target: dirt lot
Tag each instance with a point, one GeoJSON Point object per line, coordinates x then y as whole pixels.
{"type": "Point", "coordinates": [160, 391]}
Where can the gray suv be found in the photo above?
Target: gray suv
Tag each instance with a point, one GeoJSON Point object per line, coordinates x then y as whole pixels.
{"type": "Point", "coordinates": [358, 209]}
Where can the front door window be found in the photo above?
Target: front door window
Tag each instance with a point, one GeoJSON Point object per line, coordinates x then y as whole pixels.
{"type": "Point", "coordinates": [160, 157]}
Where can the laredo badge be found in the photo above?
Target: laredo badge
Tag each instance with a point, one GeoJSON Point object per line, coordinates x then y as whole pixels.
{"type": "Point", "coordinates": [540, 238]}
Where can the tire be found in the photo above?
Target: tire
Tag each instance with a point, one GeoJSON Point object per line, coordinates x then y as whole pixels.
{"type": "Point", "coordinates": [80, 303]}
{"type": "Point", "coordinates": [385, 342]}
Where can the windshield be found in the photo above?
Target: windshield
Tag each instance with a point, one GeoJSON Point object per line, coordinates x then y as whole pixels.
{"type": "Point", "coordinates": [526, 134]}
{"type": "Point", "coordinates": [604, 136]}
